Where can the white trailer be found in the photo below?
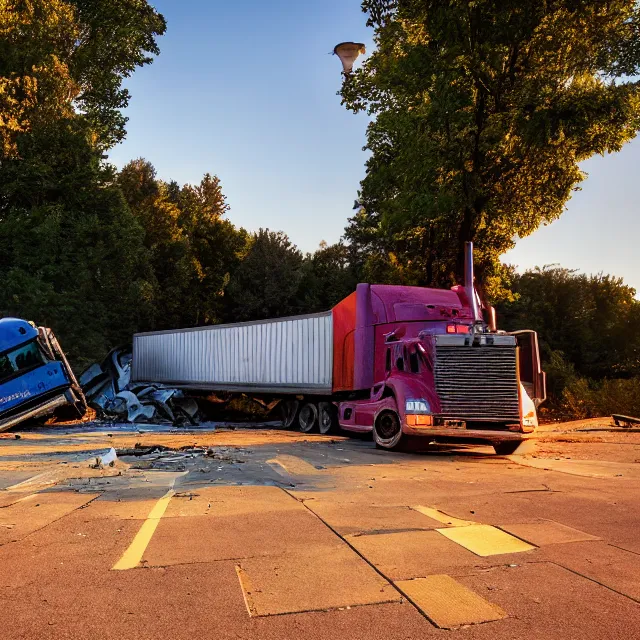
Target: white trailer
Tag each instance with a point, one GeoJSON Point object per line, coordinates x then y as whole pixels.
{"type": "Point", "coordinates": [287, 355]}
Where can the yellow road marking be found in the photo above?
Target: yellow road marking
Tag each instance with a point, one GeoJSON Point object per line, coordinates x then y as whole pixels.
{"type": "Point", "coordinates": [447, 603]}
{"type": "Point", "coordinates": [294, 465]}
{"type": "Point", "coordinates": [133, 555]}
{"type": "Point", "coordinates": [438, 515]}
{"type": "Point", "coordinates": [32, 495]}
{"type": "Point", "coordinates": [485, 540]}
{"type": "Point", "coordinates": [247, 588]}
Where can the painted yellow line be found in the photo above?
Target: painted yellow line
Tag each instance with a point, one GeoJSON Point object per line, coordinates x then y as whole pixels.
{"type": "Point", "coordinates": [247, 589]}
{"type": "Point", "coordinates": [133, 555]}
{"type": "Point", "coordinates": [442, 517]}
{"type": "Point", "coordinates": [32, 495]}
{"type": "Point", "coordinates": [485, 540]}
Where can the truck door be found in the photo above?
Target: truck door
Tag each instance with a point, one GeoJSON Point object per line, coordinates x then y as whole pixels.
{"type": "Point", "coordinates": [532, 377]}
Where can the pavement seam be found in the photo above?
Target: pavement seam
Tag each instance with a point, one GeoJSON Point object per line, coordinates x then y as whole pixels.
{"type": "Point", "coordinates": [380, 532]}
{"type": "Point", "coordinates": [577, 573]}
{"type": "Point", "coordinates": [82, 506]}
{"type": "Point", "coordinates": [146, 565]}
{"type": "Point", "coordinates": [380, 573]}
{"type": "Point", "coordinates": [636, 553]}
{"type": "Point", "coordinates": [23, 499]}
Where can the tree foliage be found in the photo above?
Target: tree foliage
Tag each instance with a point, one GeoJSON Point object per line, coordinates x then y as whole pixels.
{"type": "Point", "coordinates": [328, 275]}
{"type": "Point", "coordinates": [72, 255]}
{"type": "Point", "coordinates": [35, 81]}
{"type": "Point", "coordinates": [59, 57]}
{"type": "Point", "coordinates": [192, 248]}
{"type": "Point", "coordinates": [266, 283]}
{"type": "Point", "coordinates": [588, 327]}
{"type": "Point", "coordinates": [483, 110]}
{"type": "Point", "coordinates": [115, 38]}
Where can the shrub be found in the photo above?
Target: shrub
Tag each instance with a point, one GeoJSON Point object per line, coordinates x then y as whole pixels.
{"type": "Point", "coordinates": [587, 399]}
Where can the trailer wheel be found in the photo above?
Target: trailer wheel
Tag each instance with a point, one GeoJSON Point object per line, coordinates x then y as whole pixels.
{"type": "Point", "coordinates": [308, 417]}
{"type": "Point", "coordinates": [387, 430]}
{"type": "Point", "coordinates": [327, 417]}
{"type": "Point", "coordinates": [289, 412]}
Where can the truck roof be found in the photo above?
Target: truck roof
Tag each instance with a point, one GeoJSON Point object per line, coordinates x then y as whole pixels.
{"type": "Point", "coordinates": [394, 303]}
{"type": "Point", "coordinates": [14, 331]}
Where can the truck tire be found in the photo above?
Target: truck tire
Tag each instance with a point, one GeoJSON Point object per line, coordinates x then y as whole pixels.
{"type": "Point", "coordinates": [387, 431]}
{"type": "Point", "coordinates": [507, 447]}
{"type": "Point", "coordinates": [327, 417]}
{"type": "Point", "coordinates": [289, 412]}
{"type": "Point", "coordinates": [308, 417]}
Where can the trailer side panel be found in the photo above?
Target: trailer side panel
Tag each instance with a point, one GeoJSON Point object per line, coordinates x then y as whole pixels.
{"type": "Point", "coordinates": [288, 355]}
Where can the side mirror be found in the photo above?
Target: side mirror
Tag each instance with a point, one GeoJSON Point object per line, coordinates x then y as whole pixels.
{"type": "Point", "coordinates": [532, 377]}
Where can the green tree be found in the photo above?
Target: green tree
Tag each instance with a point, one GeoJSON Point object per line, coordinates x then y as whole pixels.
{"type": "Point", "coordinates": [216, 245]}
{"type": "Point", "coordinates": [59, 57]}
{"type": "Point", "coordinates": [71, 253]}
{"type": "Point", "coordinates": [169, 252]}
{"type": "Point", "coordinates": [587, 325]}
{"type": "Point", "coordinates": [483, 110]}
{"type": "Point", "coordinates": [266, 283]}
{"type": "Point", "coordinates": [115, 38]}
{"type": "Point", "coordinates": [35, 81]}
{"type": "Point", "coordinates": [328, 276]}
{"type": "Point", "coordinates": [192, 247]}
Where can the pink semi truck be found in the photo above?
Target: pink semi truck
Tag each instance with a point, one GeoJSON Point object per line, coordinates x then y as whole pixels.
{"type": "Point", "coordinates": [396, 361]}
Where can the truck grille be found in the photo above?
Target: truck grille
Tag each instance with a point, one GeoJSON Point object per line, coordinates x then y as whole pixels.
{"type": "Point", "coordinates": [477, 383]}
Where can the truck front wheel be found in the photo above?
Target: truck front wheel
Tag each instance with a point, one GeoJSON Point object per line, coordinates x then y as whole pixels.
{"type": "Point", "coordinates": [387, 430]}
{"type": "Point", "coordinates": [308, 417]}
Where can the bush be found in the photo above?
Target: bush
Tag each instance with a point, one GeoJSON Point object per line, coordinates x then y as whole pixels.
{"type": "Point", "coordinates": [587, 399]}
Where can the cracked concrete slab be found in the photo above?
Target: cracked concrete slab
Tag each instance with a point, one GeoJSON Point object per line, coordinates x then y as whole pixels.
{"type": "Point", "coordinates": [318, 579]}
{"type": "Point", "coordinates": [20, 519]}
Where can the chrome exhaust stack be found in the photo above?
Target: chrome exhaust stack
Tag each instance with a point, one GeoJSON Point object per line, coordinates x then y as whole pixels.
{"type": "Point", "coordinates": [469, 286]}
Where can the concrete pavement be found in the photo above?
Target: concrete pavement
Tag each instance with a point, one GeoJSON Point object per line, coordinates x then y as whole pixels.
{"type": "Point", "coordinates": [252, 533]}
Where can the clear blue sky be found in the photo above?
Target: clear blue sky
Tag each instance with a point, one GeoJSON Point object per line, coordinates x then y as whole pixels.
{"type": "Point", "coordinates": [246, 90]}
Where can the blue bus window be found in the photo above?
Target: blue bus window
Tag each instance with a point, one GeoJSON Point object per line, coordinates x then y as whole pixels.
{"type": "Point", "coordinates": [5, 367]}
{"type": "Point", "coordinates": [25, 357]}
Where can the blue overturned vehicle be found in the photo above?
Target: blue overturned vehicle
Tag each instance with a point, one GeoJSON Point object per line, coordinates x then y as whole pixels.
{"type": "Point", "coordinates": [35, 377]}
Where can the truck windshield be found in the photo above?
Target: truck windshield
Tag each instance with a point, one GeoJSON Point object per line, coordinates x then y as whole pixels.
{"type": "Point", "coordinates": [25, 357]}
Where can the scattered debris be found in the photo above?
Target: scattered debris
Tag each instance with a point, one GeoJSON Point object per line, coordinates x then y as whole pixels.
{"type": "Point", "coordinates": [625, 421]}
{"type": "Point", "coordinates": [106, 460]}
{"type": "Point", "coordinates": [163, 458]}
{"type": "Point", "coordinates": [110, 392]}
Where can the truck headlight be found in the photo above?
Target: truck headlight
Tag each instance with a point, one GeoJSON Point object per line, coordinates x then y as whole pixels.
{"type": "Point", "coordinates": [417, 407]}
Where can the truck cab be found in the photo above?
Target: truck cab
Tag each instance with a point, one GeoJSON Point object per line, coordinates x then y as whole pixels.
{"type": "Point", "coordinates": [440, 370]}
{"type": "Point", "coordinates": [35, 377]}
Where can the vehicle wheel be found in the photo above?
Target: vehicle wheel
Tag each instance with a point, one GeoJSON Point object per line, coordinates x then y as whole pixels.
{"type": "Point", "coordinates": [327, 417]}
{"type": "Point", "coordinates": [308, 417]}
{"type": "Point", "coordinates": [289, 412]}
{"type": "Point", "coordinates": [387, 430]}
{"type": "Point", "coordinates": [507, 448]}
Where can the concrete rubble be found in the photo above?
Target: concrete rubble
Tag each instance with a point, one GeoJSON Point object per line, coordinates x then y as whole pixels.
{"type": "Point", "coordinates": [109, 391]}
{"type": "Point", "coordinates": [162, 458]}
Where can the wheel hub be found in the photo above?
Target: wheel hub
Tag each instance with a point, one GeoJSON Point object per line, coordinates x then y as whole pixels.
{"type": "Point", "coordinates": [388, 426]}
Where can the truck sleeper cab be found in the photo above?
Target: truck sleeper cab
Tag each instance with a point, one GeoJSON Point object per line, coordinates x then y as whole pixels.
{"type": "Point", "coordinates": [35, 377]}
{"type": "Point", "coordinates": [441, 371]}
